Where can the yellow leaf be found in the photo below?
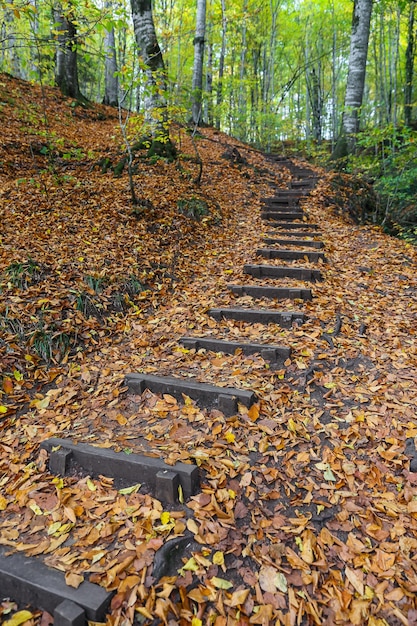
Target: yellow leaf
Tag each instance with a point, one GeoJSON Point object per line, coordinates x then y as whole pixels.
{"type": "Point", "coordinates": [35, 508]}
{"type": "Point", "coordinates": [165, 517]}
{"type": "Point", "coordinates": [3, 409]}
{"type": "Point", "coordinates": [221, 583]}
{"type": "Point", "coordinates": [196, 622]}
{"type": "Point", "coordinates": [291, 425]}
{"type": "Point", "coordinates": [281, 582]}
{"type": "Point", "coordinates": [128, 490]}
{"type": "Point", "coordinates": [18, 618]}
{"type": "Point", "coordinates": [91, 485]}
{"type": "Point", "coordinates": [190, 566]}
{"type": "Point", "coordinates": [230, 438]}
{"type": "Point", "coordinates": [218, 558]}
{"type": "Point", "coordinates": [3, 503]}
{"type": "Point", "coordinates": [53, 528]}
{"type": "Point", "coordinates": [42, 403]}
{"type": "Point", "coordinates": [180, 494]}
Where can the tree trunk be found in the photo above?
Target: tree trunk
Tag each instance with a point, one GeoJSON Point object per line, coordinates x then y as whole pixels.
{"type": "Point", "coordinates": [9, 54]}
{"type": "Point", "coordinates": [356, 70]}
{"type": "Point", "coordinates": [156, 115]}
{"type": "Point", "coordinates": [334, 79]}
{"type": "Point", "coordinates": [409, 67]}
{"type": "Point", "coordinates": [197, 82]}
{"type": "Point", "coordinates": [241, 132]}
{"type": "Point", "coordinates": [221, 65]}
{"type": "Point", "coordinates": [66, 69]}
{"type": "Point", "coordinates": [209, 85]}
{"type": "Point", "coordinates": [315, 99]}
{"type": "Point", "coordinates": [111, 89]}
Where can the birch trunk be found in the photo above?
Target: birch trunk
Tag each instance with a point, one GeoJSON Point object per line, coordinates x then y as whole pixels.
{"type": "Point", "coordinates": [156, 115]}
{"type": "Point", "coordinates": [209, 84]}
{"type": "Point", "coordinates": [357, 69]}
{"type": "Point", "coordinates": [111, 89]}
{"type": "Point", "coordinates": [197, 82]}
{"type": "Point", "coordinates": [409, 67]}
{"type": "Point", "coordinates": [241, 134]}
{"type": "Point", "coordinates": [221, 65]}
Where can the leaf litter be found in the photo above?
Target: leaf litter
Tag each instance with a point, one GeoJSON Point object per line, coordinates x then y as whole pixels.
{"type": "Point", "coordinates": [307, 509]}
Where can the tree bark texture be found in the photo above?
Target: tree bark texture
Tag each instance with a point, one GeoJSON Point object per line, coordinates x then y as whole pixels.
{"type": "Point", "coordinates": [409, 67]}
{"type": "Point", "coordinates": [357, 66]}
{"type": "Point", "coordinates": [221, 64]}
{"type": "Point", "coordinates": [197, 81]}
{"type": "Point", "coordinates": [66, 68]}
{"type": "Point", "coordinates": [156, 116]}
{"type": "Point", "coordinates": [111, 90]}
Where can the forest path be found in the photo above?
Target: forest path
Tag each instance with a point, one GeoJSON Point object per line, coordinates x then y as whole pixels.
{"type": "Point", "coordinates": [305, 493]}
{"type": "Point", "coordinates": [307, 507]}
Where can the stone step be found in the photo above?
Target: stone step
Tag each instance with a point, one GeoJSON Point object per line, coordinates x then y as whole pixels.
{"type": "Point", "coordinates": [290, 255]}
{"type": "Point", "coordinates": [268, 352]}
{"type": "Point", "coordinates": [282, 215]}
{"type": "Point", "coordinates": [281, 206]}
{"type": "Point", "coordinates": [293, 242]}
{"type": "Point", "coordinates": [285, 195]}
{"type": "Point", "coordinates": [258, 316]}
{"type": "Point", "coordinates": [275, 271]}
{"type": "Point", "coordinates": [294, 233]}
{"type": "Point", "coordinates": [162, 480]}
{"type": "Point", "coordinates": [295, 225]}
{"type": "Point", "coordinates": [225, 399]}
{"type": "Point", "coordinates": [287, 208]}
{"type": "Point", "coordinates": [302, 173]}
{"type": "Point", "coordinates": [279, 293]}
{"type": "Point", "coordinates": [305, 185]}
{"type": "Point", "coordinates": [30, 582]}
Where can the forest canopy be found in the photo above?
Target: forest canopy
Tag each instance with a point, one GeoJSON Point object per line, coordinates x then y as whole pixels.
{"type": "Point", "coordinates": [272, 71]}
{"type": "Point", "coordinates": [275, 74]}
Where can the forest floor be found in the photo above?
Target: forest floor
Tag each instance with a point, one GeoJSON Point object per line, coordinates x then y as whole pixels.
{"type": "Point", "coordinates": [308, 509]}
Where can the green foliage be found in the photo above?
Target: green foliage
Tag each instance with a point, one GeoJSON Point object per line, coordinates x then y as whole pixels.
{"type": "Point", "coordinates": [48, 344]}
{"type": "Point", "coordinates": [88, 305]}
{"type": "Point", "coordinates": [386, 157]}
{"type": "Point", "coordinates": [193, 207]}
{"type": "Point", "coordinates": [47, 341]}
{"type": "Point", "coordinates": [96, 283]}
{"type": "Point", "coordinates": [24, 273]}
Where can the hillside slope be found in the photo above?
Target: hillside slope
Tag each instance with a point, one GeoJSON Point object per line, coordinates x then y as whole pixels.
{"type": "Point", "coordinates": [307, 511]}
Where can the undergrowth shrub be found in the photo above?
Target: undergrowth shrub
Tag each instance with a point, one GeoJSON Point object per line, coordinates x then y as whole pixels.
{"type": "Point", "coordinates": [193, 207]}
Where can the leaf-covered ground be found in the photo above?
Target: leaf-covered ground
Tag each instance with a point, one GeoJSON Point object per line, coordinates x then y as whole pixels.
{"type": "Point", "coordinates": [308, 511]}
